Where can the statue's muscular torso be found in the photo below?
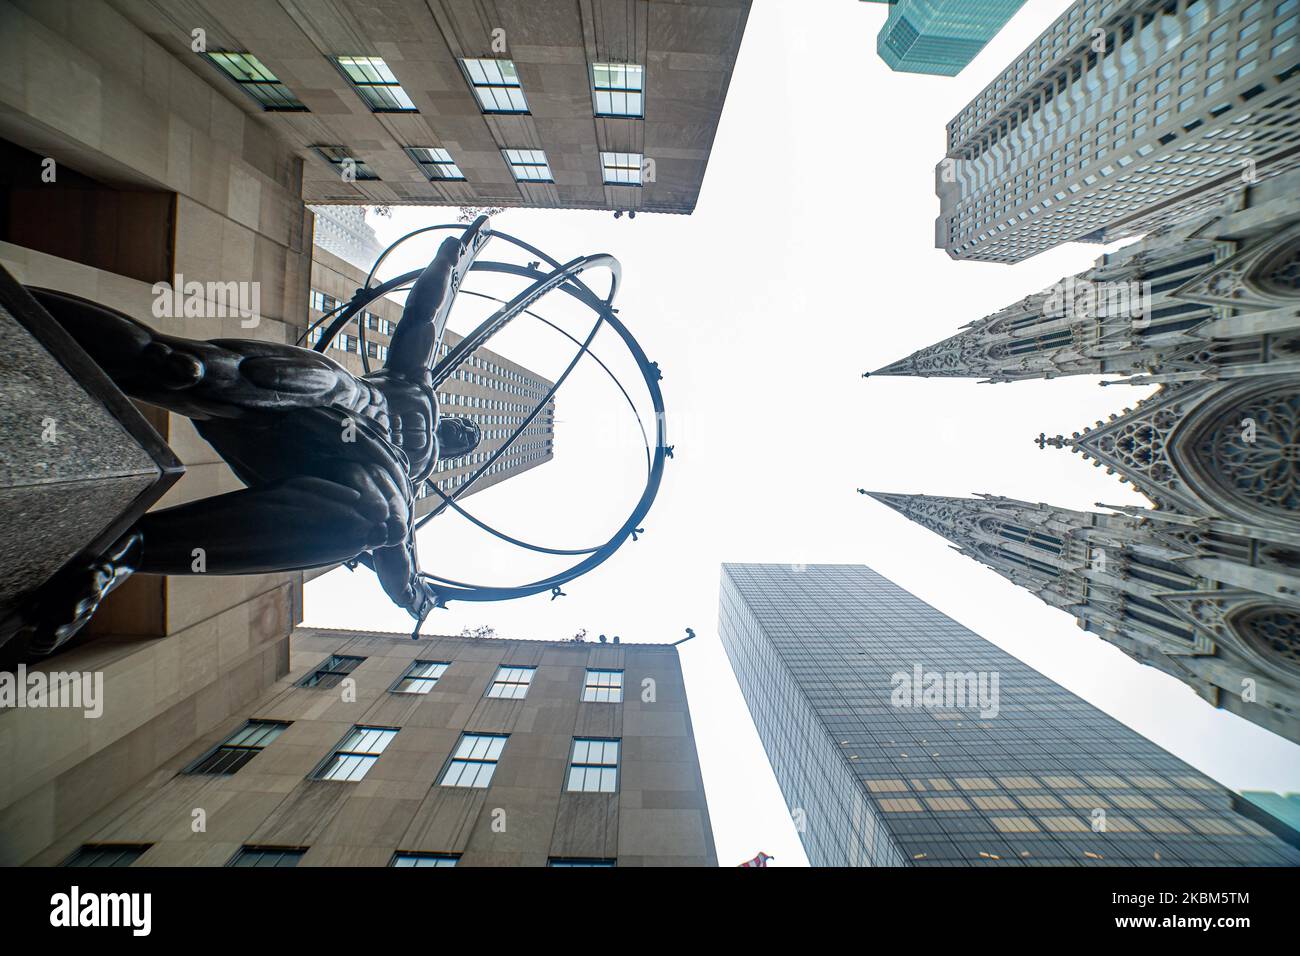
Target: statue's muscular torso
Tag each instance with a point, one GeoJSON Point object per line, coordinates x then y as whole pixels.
{"type": "Point", "coordinates": [410, 416]}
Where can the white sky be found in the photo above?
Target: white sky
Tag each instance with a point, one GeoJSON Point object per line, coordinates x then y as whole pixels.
{"type": "Point", "coordinates": [810, 259]}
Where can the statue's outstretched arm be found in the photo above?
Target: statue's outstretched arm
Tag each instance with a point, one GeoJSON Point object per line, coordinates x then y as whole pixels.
{"type": "Point", "coordinates": [399, 574]}
{"type": "Point", "coordinates": [414, 344]}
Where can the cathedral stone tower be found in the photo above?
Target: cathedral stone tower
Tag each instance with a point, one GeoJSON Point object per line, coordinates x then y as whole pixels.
{"type": "Point", "coordinates": [1208, 601]}
{"type": "Point", "coordinates": [1205, 584]}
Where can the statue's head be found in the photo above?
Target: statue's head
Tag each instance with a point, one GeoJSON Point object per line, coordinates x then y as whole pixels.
{"type": "Point", "coordinates": [457, 437]}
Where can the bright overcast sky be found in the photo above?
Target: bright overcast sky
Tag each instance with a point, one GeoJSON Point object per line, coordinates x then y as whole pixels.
{"type": "Point", "coordinates": [809, 259]}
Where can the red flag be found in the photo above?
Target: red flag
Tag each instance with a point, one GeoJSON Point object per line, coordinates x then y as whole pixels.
{"type": "Point", "coordinates": [760, 860]}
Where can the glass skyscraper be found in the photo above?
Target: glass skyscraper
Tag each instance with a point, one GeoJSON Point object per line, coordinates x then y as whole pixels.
{"type": "Point", "coordinates": [940, 36]}
{"type": "Point", "coordinates": [899, 737]}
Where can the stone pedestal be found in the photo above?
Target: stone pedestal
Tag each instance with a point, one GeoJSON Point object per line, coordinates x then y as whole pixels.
{"type": "Point", "coordinates": [78, 463]}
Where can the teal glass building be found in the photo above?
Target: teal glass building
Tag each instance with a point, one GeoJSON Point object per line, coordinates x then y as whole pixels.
{"type": "Point", "coordinates": [940, 36]}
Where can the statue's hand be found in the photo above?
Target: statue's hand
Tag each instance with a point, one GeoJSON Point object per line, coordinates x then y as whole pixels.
{"type": "Point", "coordinates": [422, 601]}
{"type": "Point", "coordinates": [55, 612]}
{"type": "Point", "coordinates": [426, 600]}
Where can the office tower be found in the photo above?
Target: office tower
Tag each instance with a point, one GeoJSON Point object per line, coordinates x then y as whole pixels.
{"type": "Point", "coordinates": [1205, 299]}
{"type": "Point", "coordinates": [940, 36]}
{"type": "Point", "coordinates": [899, 737]}
{"type": "Point", "coordinates": [1201, 601]}
{"type": "Point", "coordinates": [489, 389]}
{"type": "Point", "coordinates": [1279, 812]}
{"type": "Point", "coordinates": [1205, 585]}
{"type": "Point", "coordinates": [606, 105]}
{"type": "Point", "coordinates": [343, 231]}
{"type": "Point", "coordinates": [376, 750]}
{"type": "Point", "coordinates": [1123, 116]}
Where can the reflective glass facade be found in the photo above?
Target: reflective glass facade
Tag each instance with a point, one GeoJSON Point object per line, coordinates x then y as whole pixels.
{"type": "Point", "coordinates": [900, 737]}
{"type": "Point", "coordinates": [940, 36]}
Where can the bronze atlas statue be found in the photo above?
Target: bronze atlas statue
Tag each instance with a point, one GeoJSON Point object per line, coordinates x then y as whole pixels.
{"type": "Point", "coordinates": [332, 462]}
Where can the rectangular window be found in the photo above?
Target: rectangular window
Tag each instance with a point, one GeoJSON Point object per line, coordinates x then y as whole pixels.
{"type": "Point", "coordinates": [474, 760]}
{"type": "Point", "coordinates": [332, 670]}
{"type": "Point", "coordinates": [528, 165]}
{"type": "Point", "coordinates": [601, 686]}
{"type": "Point", "coordinates": [356, 754]}
{"type": "Point", "coordinates": [621, 169]}
{"type": "Point", "coordinates": [257, 81]}
{"type": "Point", "coordinates": [420, 678]}
{"type": "Point", "coordinates": [242, 746]}
{"type": "Point", "coordinates": [579, 861]}
{"type": "Point", "coordinates": [375, 84]}
{"type": "Point", "coordinates": [349, 167]}
{"type": "Point", "coordinates": [617, 89]}
{"type": "Point", "coordinates": [267, 856]}
{"type": "Point", "coordinates": [593, 767]}
{"type": "Point", "coordinates": [425, 859]}
{"type": "Point", "coordinates": [107, 854]}
{"type": "Point", "coordinates": [435, 162]}
{"type": "Point", "coordinates": [323, 301]}
{"type": "Point", "coordinates": [511, 682]}
{"type": "Point", "coordinates": [496, 84]}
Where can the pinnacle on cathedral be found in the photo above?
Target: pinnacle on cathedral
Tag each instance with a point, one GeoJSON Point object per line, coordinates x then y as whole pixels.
{"type": "Point", "coordinates": [1205, 583]}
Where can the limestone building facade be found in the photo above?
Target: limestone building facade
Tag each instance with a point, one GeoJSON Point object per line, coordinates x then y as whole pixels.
{"type": "Point", "coordinates": [543, 103]}
{"type": "Point", "coordinates": [376, 750]}
{"type": "Point", "coordinates": [131, 158]}
{"type": "Point", "coordinates": [122, 169]}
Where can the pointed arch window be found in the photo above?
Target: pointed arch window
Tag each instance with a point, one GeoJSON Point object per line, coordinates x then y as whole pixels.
{"type": "Point", "coordinates": [1154, 615]}
{"type": "Point", "coordinates": [1036, 539]}
{"type": "Point", "coordinates": [1164, 574]}
{"type": "Point", "coordinates": [1031, 564]}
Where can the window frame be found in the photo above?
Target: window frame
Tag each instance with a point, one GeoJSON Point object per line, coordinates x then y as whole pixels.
{"type": "Point", "coordinates": [454, 759]}
{"type": "Point", "coordinates": [296, 853]}
{"type": "Point", "coordinates": [362, 87]}
{"type": "Point", "coordinates": [488, 84]}
{"type": "Point", "coordinates": [406, 675]}
{"type": "Point", "coordinates": [364, 172]}
{"type": "Point", "coordinates": [420, 855]}
{"type": "Point", "coordinates": [428, 166]}
{"type": "Point", "coordinates": [338, 751]}
{"type": "Point", "coordinates": [613, 91]}
{"type": "Point", "coordinates": [588, 686]}
{"type": "Point", "coordinates": [612, 161]}
{"type": "Point", "coordinates": [139, 849]}
{"type": "Point", "coordinates": [324, 669]}
{"type": "Point", "coordinates": [530, 669]}
{"type": "Point", "coordinates": [251, 750]}
{"type": "Point", "coordinates": [514, 166]}
{"type": "Point", "coordinates": [582, 861]}
{"type": "Point", "coordinates": [294, 105]}
{"type": "Point", "coordinates": [587, 765]}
